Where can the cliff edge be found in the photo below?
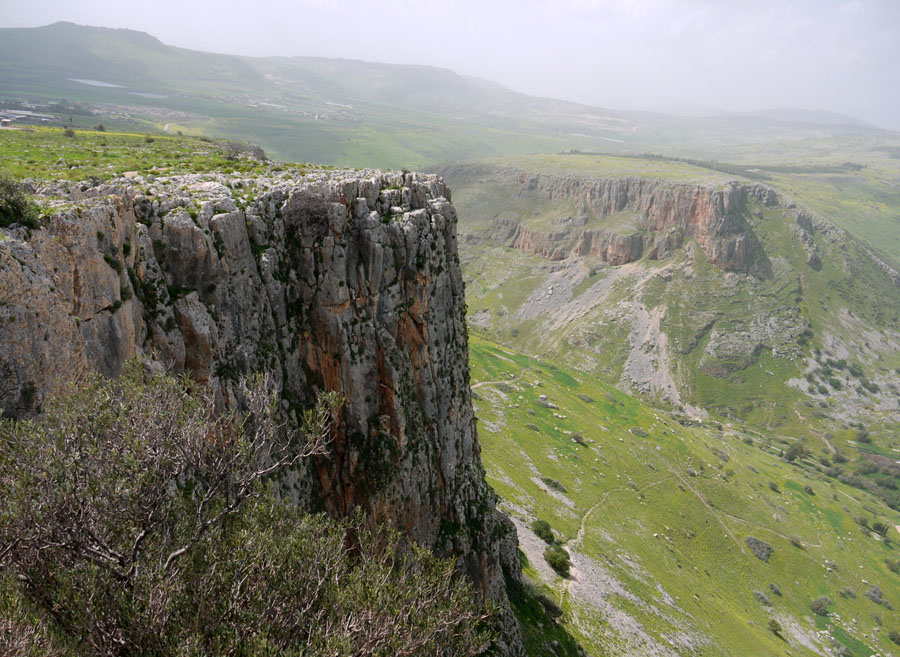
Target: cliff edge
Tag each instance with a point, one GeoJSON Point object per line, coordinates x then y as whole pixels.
{"type": "Point", "coordinates": [331, 280]}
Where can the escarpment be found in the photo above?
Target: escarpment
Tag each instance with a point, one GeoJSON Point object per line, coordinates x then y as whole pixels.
{"type": "Point", "coordinates": [331, 280]}
{"type": "Point", "coordinates": [660, 217]}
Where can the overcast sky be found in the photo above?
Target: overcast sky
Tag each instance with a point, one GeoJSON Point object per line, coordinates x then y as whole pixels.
{"type": "Point", "coordinates": [839, 55]}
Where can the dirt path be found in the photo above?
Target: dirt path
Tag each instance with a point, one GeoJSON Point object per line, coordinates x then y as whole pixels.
{"type": "Point", "coordinates": [494, 383]}
{"type": "Point", "coordinates": [702, 499]}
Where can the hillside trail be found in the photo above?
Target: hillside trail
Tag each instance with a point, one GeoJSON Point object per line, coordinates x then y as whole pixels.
{"type": "Point", "coordinates": [517, 377]}
{"type": "Point", "coordinates": [702, 499]}
{"type": "Point", "coordinates": [822, 436]}
{"type": "Point", "coordinates": [579, 536]}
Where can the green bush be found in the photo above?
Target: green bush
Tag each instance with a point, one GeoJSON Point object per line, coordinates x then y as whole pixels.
{"type": "Point", "coordinates": [760, 549]}
{"type": "Point", "coordinates": [135, 520]}
{"type": "Point", "coordinates": [543, 531]}
{"type": "Point", "coordinates": [558, 559]}
{"type": "Point", "coordinates": [819, 606]}
{"type": "Point", "coordinates": [15, 206]}
{"type": "Point", "coordinates": [555, 485]}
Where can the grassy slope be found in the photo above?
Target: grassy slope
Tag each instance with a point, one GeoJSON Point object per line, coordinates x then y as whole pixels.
{"type": "Point", "coordinates": [631, 516]}
{"type": "Point", "coordinates": [500, 281]}
{"type": "Point", "coordinates": [648, 522]}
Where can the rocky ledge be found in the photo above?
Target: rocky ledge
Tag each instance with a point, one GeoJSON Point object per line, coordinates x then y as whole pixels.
{"type": "Point", "coordinates": [331, 280]}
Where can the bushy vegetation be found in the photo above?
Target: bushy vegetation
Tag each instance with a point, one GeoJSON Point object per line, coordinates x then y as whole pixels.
{"type": "Point", "coordinates": [819, 606]}
{"type": "Point", "coordinates": [558, 558]}
{"type": "Point", "coordinates": [760, 549]}
{"type": "Point", "coordinates": [138, 521]}
{"type": "Point", "coordinates": [543, 531]}
{"type": "Point", "coordinates": [15, 207]}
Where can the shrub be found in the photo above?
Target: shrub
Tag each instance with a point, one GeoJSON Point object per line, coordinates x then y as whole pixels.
{"type": "Point", "coordinates": [774, 589]}
{"type": "Point", "coordinates": [137, 520]}
{"type": "Point", "coordinates": [68, 132]}
{"type": "Point", "coordinates": [558, 559]}
{"type": "Point", "coordinates": [774, 626]}
{"type": "Point", "coordinates": [796, 451]}
{"type": "Point", "coordinates": [893, 565]}
{"type": "Point", "coordinates": [761, 597]}
{"type": "Point", "coordinates": [760, 549]}
{"type": "Point", "coordinates": [15, 206]}
{"type": "Point", "coordinates": [553, 484]}
{"type": "Point", "coordinates": [808, 490]}
{"type": "Point", "coordinates": [894, 636]}
{"type": "Point", "coordinates": [773, 487]}
{"type": "Point", "coordinates": [847, 592]}
{"type": "Point", "coordinates": [543, 531]}
{"type": "Point", "coordinates": [874, 594]}
{"type": "Point", "coordinates": [819, 606]}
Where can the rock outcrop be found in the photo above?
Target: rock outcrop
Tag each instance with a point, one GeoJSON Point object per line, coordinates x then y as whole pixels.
{"type": "Point", "coordinates": [665, 214]}
{"type": "Point", "coordinates": [331, 280]}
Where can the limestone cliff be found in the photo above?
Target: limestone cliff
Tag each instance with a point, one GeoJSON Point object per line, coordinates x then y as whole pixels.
{"type": "Point", "coordinates": [332, 280]}
{"type": "Point", "coordinates": [665, 214]}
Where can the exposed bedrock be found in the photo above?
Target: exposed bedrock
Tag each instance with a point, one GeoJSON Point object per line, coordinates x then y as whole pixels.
{"type": "Point", "coordinates": [332, 280]}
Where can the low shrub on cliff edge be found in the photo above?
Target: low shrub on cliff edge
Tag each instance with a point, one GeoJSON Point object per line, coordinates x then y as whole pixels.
{"type": "Point", "coordinates": [137, 521]}
{"type": "Point", "coordinates": [15, 207]}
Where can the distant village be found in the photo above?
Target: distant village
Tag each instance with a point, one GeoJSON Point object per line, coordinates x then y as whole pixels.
{"type": "Point", "coordinates": [14, 112]}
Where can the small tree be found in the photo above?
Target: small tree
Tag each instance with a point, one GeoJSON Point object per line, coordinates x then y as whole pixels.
{"type": "Point", "coordinates": [819, 606]}
{"type": "Point", "coordinates": [558, 558]}
{"type": "Point", "coordinates": [543, 531]}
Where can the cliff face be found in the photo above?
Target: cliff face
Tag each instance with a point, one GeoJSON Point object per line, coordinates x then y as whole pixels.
{"type": "Point", "coordinates": [665, 215]}
{"type": "Point", "coordinates": [344, 281]}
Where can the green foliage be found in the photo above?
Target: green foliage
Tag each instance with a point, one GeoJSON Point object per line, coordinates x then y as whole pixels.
{"type": "Point", "coordinates": [796, 451]}
{"type": "Point", "coordinates": [558, 558]}
{"type": "Point", "coordinates": [554, 484]}
{"type": "Point", "coordinates": [774, 626]}
{"type": "Point", "coordinates": [136, 520]}
{"type": "Point", "coordinates": [760, 549]}
{"type": "Point", "coordinates": [15, 207]}
{"type": "Point", "coordinates": [819, 606]}
{"type": "Point", "coordinates": [543, 531]}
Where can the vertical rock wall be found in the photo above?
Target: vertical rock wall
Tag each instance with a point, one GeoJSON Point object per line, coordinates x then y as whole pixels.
{"type": "Point", "coordinates": [345, 281]}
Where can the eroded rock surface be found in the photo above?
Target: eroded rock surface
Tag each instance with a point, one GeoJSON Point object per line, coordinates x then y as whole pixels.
{"type": "Point", "coordinates": [331, 280]}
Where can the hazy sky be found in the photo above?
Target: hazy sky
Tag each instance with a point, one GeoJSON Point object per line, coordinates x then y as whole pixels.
{"type": "Point", "coordinates": [839, 55]}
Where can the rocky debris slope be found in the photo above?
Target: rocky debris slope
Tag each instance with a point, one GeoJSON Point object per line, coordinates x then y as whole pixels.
{"type": "Point", "coordinates": [331, 280]}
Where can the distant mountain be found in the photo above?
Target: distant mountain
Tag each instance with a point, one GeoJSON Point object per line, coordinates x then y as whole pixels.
{"type": "Point", "coordinates": [347, 112]}
{"type": "Point", "coordinates": [817, 117]}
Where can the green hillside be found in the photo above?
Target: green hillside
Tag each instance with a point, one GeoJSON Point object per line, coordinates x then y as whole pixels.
{"type": "Point", "coordinates": [656, 514]}
{"type": "Point", "coordinates": [341, 112]}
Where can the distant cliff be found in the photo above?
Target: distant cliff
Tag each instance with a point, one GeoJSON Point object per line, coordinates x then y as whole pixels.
{"type": "Point", "coordinates": [665, 215]}
{"type": "Point", "coordinates": [332, 280]}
